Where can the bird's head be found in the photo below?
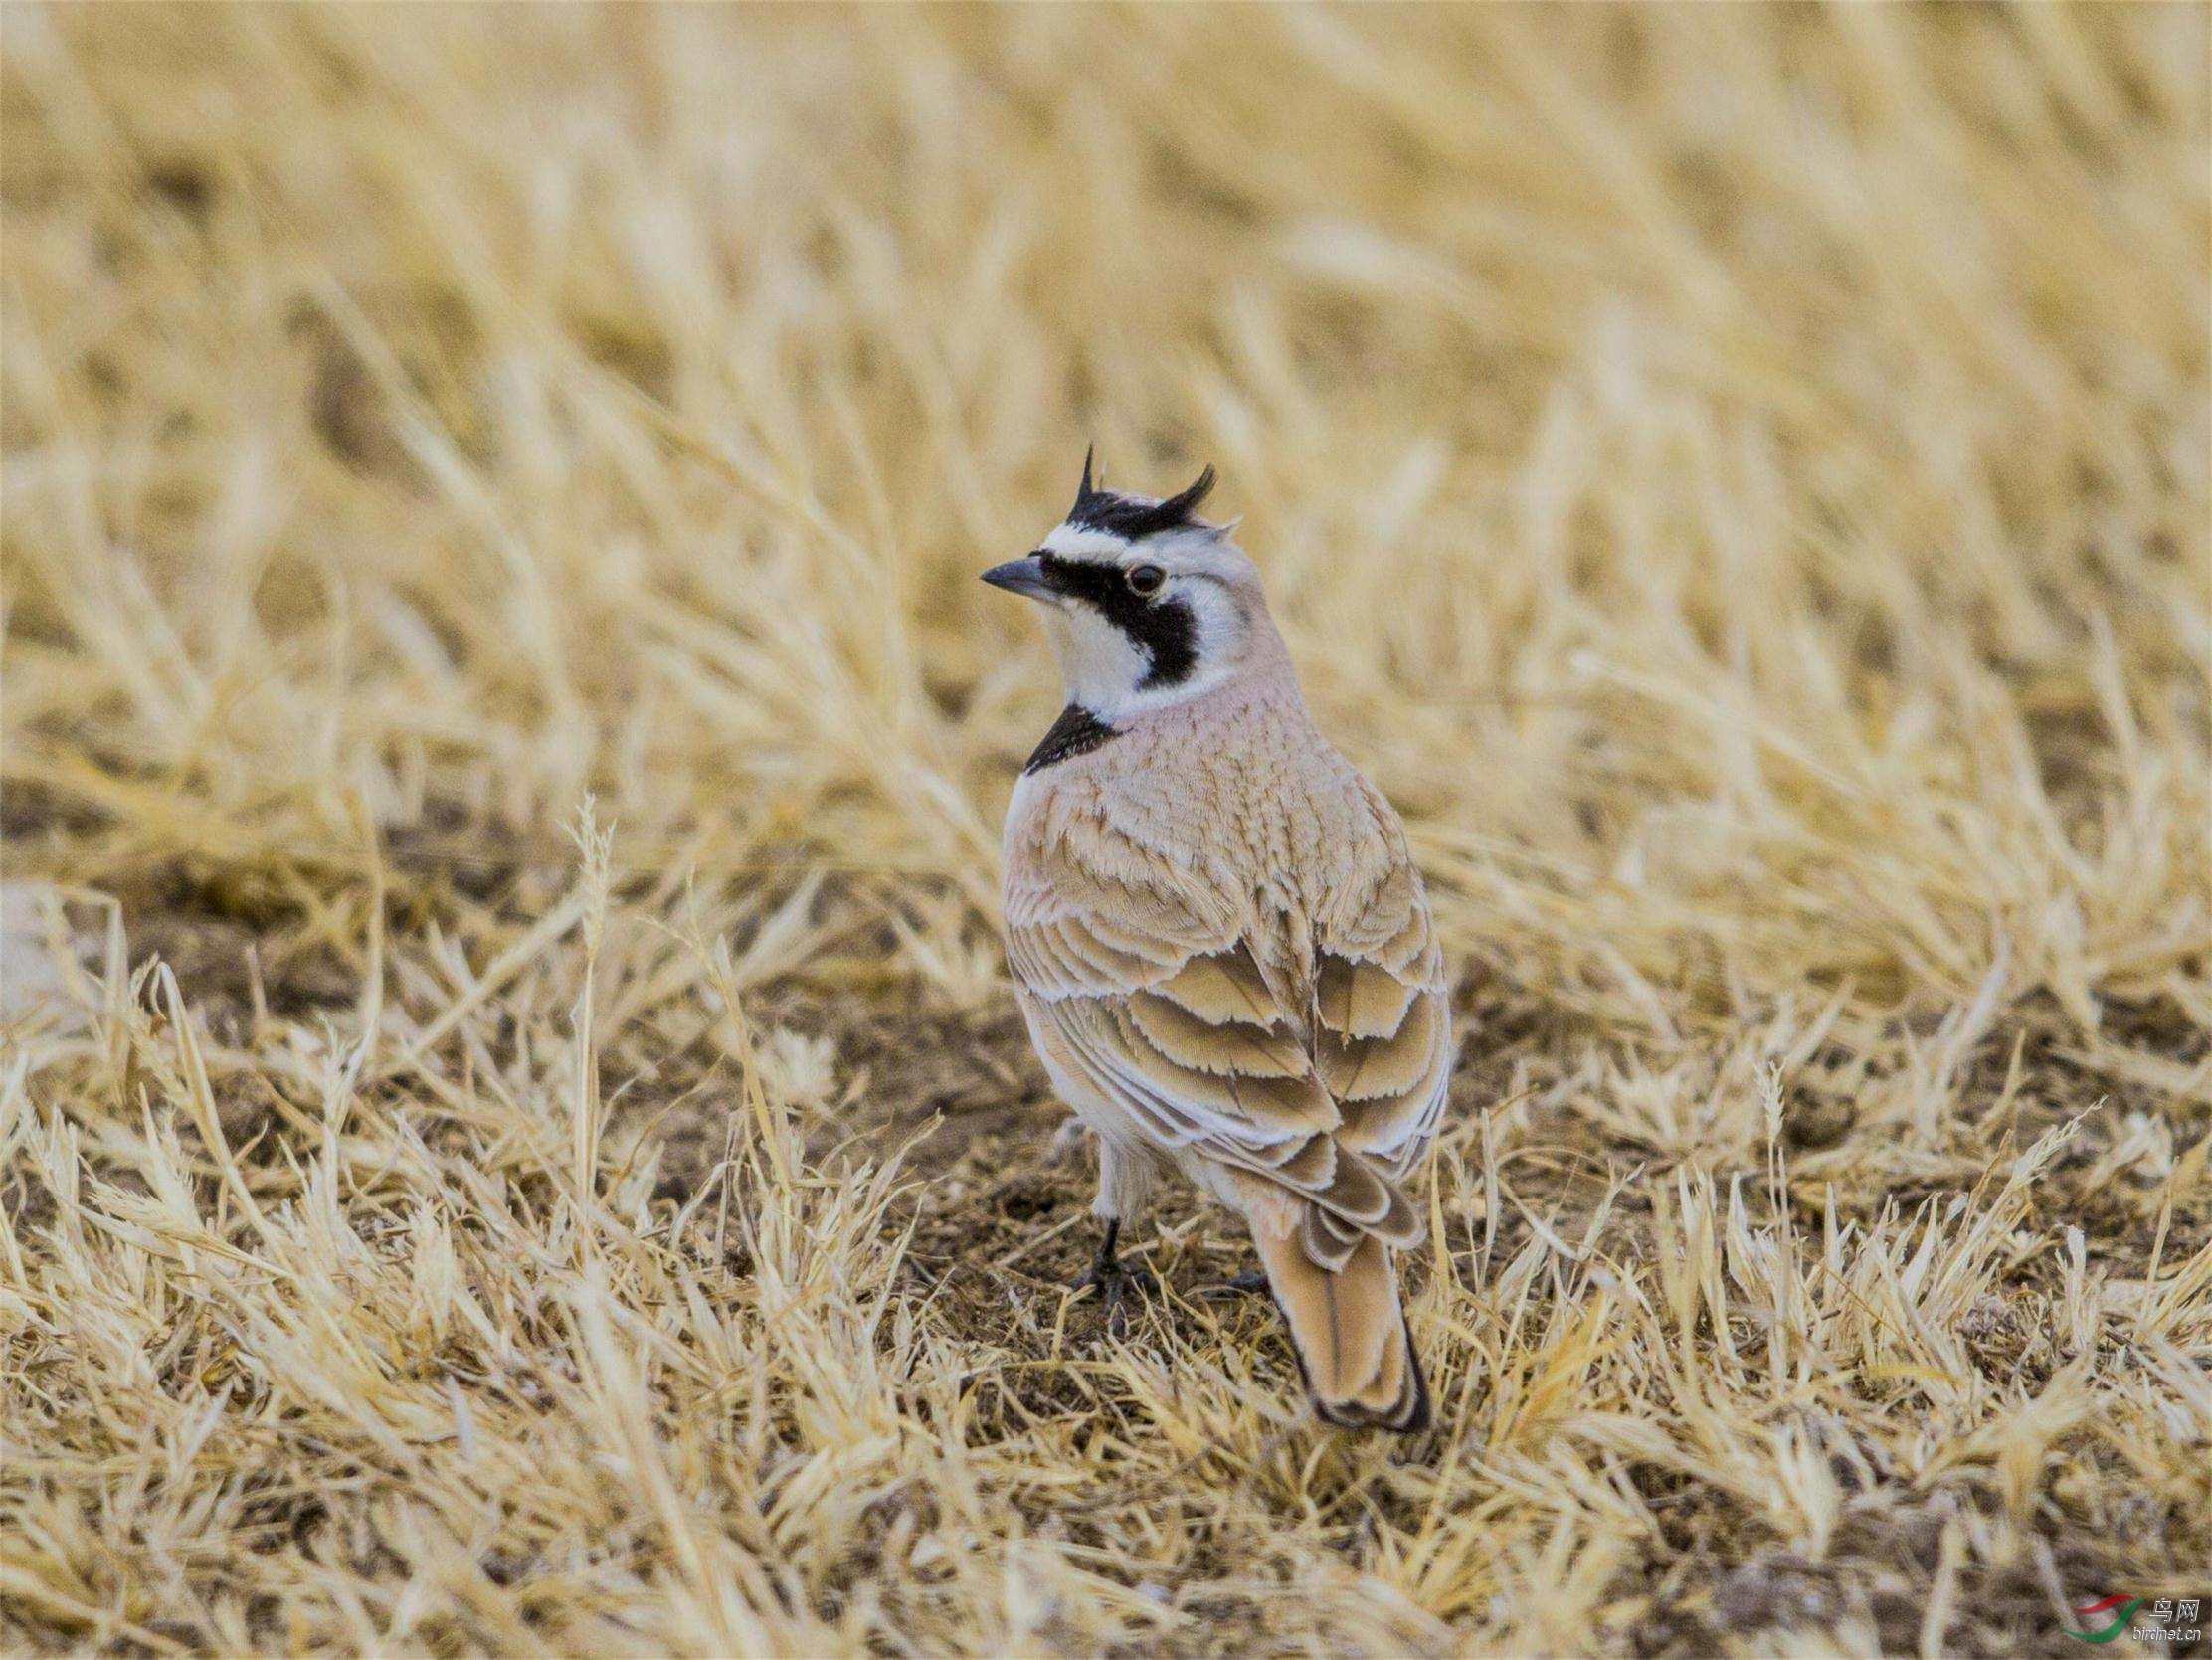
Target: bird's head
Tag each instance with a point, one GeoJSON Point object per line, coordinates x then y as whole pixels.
{"type": "Point", "coordinates": [1145, 603]}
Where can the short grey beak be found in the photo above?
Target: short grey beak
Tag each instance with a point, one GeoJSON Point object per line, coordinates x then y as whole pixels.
{"type": "Point", "coordinates": [1022, 576]}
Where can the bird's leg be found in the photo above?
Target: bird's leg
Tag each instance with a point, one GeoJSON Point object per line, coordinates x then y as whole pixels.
{"type": "Point", "coordinates": [1109, 1273]}
{"type": "Point", "coordinates": [1114, 1278]}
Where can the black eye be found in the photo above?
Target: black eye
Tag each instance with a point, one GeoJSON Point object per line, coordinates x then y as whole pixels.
{"type": "Point", "coordinates": [1144, 580]}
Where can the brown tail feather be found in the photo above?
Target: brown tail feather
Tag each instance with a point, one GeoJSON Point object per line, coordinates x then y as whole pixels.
{"type": "Point", "coordinates": [1348, 1333]}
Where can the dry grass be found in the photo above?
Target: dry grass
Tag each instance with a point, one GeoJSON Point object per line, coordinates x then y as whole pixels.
{"type": "Point", "coordinates": [1738, 478]}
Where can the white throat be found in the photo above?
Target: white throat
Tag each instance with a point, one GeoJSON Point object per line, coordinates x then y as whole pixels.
{"type": "Point", "coordinates": [1105, 671]}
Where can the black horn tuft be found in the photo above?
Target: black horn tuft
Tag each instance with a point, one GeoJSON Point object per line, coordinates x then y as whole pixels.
{"type": "Point", "coordinates": [1134, 517]}
{"type": "Point", "coordinates": [1186, 502]}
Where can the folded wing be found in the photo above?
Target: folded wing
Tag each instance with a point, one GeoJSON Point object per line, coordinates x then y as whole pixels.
{"type": "Point", "coordinates": [1322, 1077]}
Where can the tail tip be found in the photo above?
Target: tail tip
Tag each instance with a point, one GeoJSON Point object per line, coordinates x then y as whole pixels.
{"type": "Point", "coordinates": [1409, 1416]}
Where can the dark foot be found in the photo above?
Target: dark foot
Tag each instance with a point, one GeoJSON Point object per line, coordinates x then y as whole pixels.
{"type": "Point", "coordinates": [1254, 1284]}
{"type": "Point", "coordinates": [1115, 1280]}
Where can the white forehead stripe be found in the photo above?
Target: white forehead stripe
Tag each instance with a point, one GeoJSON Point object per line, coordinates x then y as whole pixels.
{"type": "Point", "coordinates": [1071, 541]}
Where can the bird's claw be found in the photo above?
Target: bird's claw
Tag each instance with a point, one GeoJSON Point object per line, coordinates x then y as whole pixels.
{"type": "Point", "coordinates": [1254, 1284]}
{"type": "Point", "coordinates": [1114, 1282]}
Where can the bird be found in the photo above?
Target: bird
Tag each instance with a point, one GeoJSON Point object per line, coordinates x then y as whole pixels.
{"type": "Point", "coordinates": [1220, 942]}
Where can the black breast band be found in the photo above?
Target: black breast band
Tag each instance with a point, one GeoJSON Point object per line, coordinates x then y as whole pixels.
{"type": "Point", "coordinates": [1077, 732]}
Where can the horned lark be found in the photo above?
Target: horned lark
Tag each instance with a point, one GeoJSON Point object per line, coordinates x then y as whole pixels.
{"type": "Point", "coordinates": [1221, 945]}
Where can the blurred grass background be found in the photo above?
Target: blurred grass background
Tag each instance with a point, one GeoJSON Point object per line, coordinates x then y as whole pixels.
{"type": "Point", "coordinates": [1736, 477]}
